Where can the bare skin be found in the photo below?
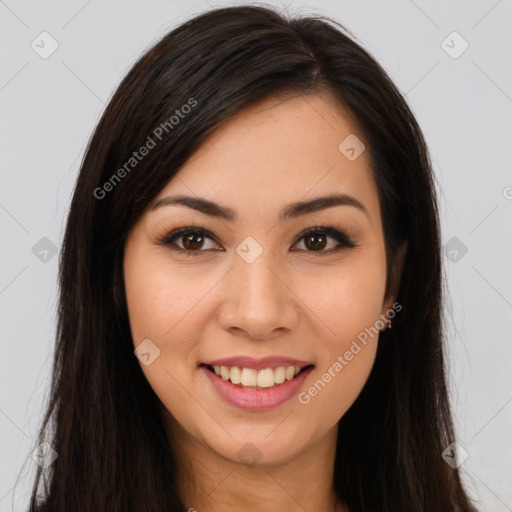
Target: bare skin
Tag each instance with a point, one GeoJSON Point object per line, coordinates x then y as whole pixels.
{"type": "Point", "coordinates": [296, 299]}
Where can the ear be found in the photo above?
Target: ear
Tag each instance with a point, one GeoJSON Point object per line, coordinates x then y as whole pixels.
{"type": "Point", "coordinates": [395, 277]}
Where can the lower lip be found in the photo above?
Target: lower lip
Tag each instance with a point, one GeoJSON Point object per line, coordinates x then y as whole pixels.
{"type": "Point", "coordinates": [254, 399]}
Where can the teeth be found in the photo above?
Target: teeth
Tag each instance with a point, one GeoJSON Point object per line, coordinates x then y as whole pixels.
{"type": "Point", "coordinates": [249, 377]}
{"type": "Point", "coordinates": [279, 375]}
{"type": "Point", "coordinates": [266, 378]}
{"type": "Point", "coordinates": [236, 375]}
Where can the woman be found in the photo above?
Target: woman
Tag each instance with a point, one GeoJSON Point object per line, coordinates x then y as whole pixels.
{"type": "Point", "coordinates": [250, 286]}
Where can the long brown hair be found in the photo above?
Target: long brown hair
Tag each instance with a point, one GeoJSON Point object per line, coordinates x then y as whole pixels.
{"type": "Point", "coordinates": [103, 418]}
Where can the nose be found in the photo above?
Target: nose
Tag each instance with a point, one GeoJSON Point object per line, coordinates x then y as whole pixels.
{"type": "Point", "coordinates": [258, 302]}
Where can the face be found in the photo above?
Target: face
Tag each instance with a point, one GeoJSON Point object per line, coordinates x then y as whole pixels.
{"type": "Point", "coordinates": [251, 286]}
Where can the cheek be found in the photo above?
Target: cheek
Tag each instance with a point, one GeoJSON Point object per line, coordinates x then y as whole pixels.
{"type": "Point", "coordinates": [160, 297]}
{"type": "Point", "coordinates": [347, 359]}
{"type": "Point", "coordinates": [349, 306]}
{"type": "Point", "coordinates": [162, 306]}
{"type": "Point", "coordinates": [338, 383]}
{"type": "Point", "coordinates": [166, 305]}
{"type": "Point", "coordinates": [348, 300]}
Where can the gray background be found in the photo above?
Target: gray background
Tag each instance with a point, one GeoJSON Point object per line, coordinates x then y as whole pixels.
{"type": "Point", "coordinates": [50, 106]}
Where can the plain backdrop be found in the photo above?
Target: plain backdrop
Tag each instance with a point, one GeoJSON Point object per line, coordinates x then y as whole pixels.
{"type": "Point", "coordinates": [451, 60]}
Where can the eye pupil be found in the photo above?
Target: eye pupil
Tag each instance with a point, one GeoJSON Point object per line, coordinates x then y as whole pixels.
{"type": "Point", "coordinates": [316, 244]}
{"type": "Point", "coordinates": [193, 245]}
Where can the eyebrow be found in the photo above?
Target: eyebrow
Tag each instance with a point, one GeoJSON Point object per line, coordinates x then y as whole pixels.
{"type": "Point", "coordinates": [290, 211]}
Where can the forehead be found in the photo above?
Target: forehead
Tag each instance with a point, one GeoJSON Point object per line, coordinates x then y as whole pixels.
{"type": "Point", "coordinates": [277, 151]}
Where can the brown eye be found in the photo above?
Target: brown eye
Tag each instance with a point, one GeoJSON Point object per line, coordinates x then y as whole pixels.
{"type": "Point", "coordinates": [193, 241]}
{"type": "Point", "coordinates": [315, 242]}
{"type": "Point", "coordinates": [189, 240]}
{"type": "Point", "coordinates": [321, 240]}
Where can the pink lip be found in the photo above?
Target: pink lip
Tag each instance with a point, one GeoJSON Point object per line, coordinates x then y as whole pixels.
{"type": "Point", "coordinates": [254, 399]}
{"type": "Point", "coordinates": [257, 364]}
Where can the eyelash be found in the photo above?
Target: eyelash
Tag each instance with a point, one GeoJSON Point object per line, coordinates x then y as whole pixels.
{"type": "Point", "coordinates": [344, 241]}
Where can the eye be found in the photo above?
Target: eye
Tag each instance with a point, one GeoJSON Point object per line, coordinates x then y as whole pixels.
{"type": "Point", "coordinates": [190, 240]}
{"type": "Point", "coordinates": [316, 240]}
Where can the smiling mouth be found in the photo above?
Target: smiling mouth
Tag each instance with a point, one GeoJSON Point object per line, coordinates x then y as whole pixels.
{"type": "Point", "coordinates": [249, 378]}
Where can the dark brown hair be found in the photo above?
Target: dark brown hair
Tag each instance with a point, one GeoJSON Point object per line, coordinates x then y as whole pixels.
{"type": "Point", "coordinates": [103, 418]}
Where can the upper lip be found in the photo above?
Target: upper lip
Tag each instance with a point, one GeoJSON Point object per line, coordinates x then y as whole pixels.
{"type": "Point", "coordinates": [257, 364]}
